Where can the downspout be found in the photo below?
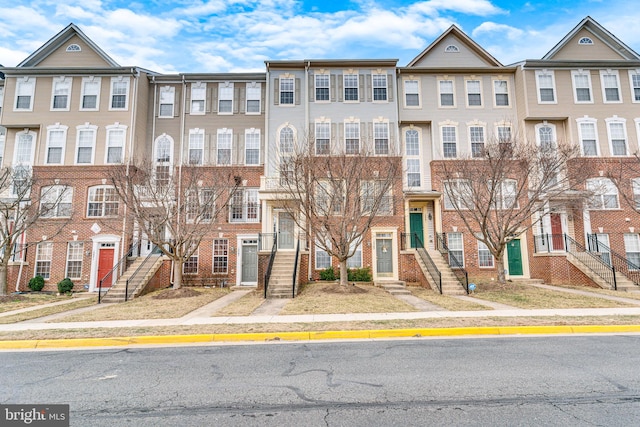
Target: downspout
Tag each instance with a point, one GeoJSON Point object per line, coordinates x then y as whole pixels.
{"type": "Point", "coordinates": [267, 108]}
{"type": "Point", "coordinates": [132, 128]}
{"type": "Point", "coordinates": [306, 127]}
{"type": "Point", "coordinates": [182, 129]}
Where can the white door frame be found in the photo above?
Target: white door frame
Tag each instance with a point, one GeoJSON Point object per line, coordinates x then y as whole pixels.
{"type": "Point", "coordinates": [239, 239]}
{"type": "Point", "coordinates": [394, 245]}
{"type": "Point", "coordinates": [98, 240]}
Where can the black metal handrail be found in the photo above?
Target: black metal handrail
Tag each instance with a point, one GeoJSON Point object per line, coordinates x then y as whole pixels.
{"type": "Point", "coordinates": [272, 257]}
{"type": "Point", "coordinates": [295, 270]}
{"type": "Point", "coordinates": [154, 253]}
{"type": "Point", "coordinates": [593, 262]}
{"type": "Point", "coordinates": [457, 267]}
{"type": "Point", "coordinates": [118, 269]}
{"type": "Point", "coordinates": [618, 262]}
{"type": "Point", "coordinates": [432, 269]}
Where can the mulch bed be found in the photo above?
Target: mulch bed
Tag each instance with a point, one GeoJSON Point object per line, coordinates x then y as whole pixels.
{"type": "Point", "coordinates": [177, 293]}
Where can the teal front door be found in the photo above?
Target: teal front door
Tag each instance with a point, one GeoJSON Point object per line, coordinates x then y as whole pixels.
{"type": "Point", "coordinates": [416, 228]}
{"type": "Point", "coordinates": [514, 256]}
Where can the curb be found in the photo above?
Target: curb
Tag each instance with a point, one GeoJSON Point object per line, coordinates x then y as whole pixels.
{"type": "Point", "coordinates": [314, 336]}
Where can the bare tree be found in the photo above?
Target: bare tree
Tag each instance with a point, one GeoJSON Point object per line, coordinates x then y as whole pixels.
{"type": "Point", "coordinates": [625, 175]}
{"type": "Point", "coordinates": [18, 214]}
{"type": "Point", "coordinates": [175, 209]}
{"type": "Point", "coordinates": [336, 198]}
{"type": "Point", "coordinates": [503, 189]}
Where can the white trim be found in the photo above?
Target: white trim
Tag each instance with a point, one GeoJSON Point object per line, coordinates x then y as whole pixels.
{"type": "Point", "coordinates": [171, 91]}
{"type": "Point", "coordinates": [95, 256]}
{"type": "Point", "coordinates": [239, 245]}
{"type": "Point", "coordinates": [467, 80]}
{"type": "Point", "coordinates": [65, 81]}
{"type": "Point", "coordinates": [395, 255]}
{"type": "Point", "coordinates": [24, 81]}
{"type": "Point", "coordinates": [453, 91]}
{"type": "Point", "coordinates": [110, 129]}
{"type": "Point", "coordinates": [418, 92]}
{"type": "Point", "coordinates": [540, 73]}
{"type": "Point", "coordinates": [258, 86]}
{"type": "Point", "coordinates": [495, 80]}
{"type": "Point", "coordinates": [594, 122]}
{"type": "Point", "coordinates": [86, 127]}
{"type": "Point", "coordinates": [633, 95]}
{"type": "Point", "coordinates": [92, 80]}
{"type": "Point", "coordinates": [623, 122]}
{"type": "Point", "coordinates": [58, 128]}
{"type": "Point", "coordinates": [33, 136]}
{"type": "Point", "coordinates": [229, 96]}
{"type": "Point", "coordinates": [581, 73]}
{"type": "Point", "coordinates": [615, 73]}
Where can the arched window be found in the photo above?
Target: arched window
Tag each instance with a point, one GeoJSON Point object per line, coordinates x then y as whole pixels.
{"type": "Point", "coordinates": [286, 140]}
{"type": "Point", "coordinates": [162, 157]}
{"type": "Point", "coordinates": [451, 49]}
{"type": "Point", "coordinates": [585, 40]}
{"type": "Point", "coordinates": [546, 135]}
{"type": "Point", "coordinates": [74, 48]}
{"type": "Point", "coordinates": [23, 152]}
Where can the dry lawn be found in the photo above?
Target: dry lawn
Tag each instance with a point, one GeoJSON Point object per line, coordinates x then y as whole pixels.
{"type": "Point", "coordinates": [529, 297]}
{"type": "Point", "coordinates": [148, 307]}
{"type": "Point", "coordinates": [243, 306]}
{"type": "Point", "coordinates": [18, 301]}
{"type": "Point", "coordinates": [47, 311]}
{"type": "Point", "coordinates": [328, 298]}
{"type": "Point", "coordinates": [630, 295]}
{"type": "Point", "coordinates": [445, 301]}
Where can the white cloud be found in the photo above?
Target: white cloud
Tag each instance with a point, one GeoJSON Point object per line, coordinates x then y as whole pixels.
{"type": "Point", "coordinates": [470, 7]}
{"type": "Point", "coordinates": [507, 31]}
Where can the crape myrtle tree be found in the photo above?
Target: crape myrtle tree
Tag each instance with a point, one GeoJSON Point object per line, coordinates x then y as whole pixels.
{"type": "Point", "coordinates": [18, 214]}
{"type": "Point", "coordinates": [175, 208]}
{"type": "Point", "coordinates": [335, 197]}
{"type": "Point", "coordinates": [502, 190]}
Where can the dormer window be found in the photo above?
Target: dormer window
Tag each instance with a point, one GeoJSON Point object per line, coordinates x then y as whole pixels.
{"type": "Point", "coordinates": [74, 48]}
{"type": "Point", "coordinates": [451, 49]}
{"type": "Point", "coordinates": [585, 40]}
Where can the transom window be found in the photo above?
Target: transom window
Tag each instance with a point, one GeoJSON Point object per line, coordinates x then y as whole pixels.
{"type": "Point", "coordinates": [61, 91]}
{"type": "Point", "coordinates": [254, 97]}
{"type": "Point", "coordinates": [196, 146]}
{"type": "Point", "coordinates": [56, 141]}
{"type": "Point", "coordinates": [90, 93]}
{"type": "Point", "coordinates": [167, 101]}
{"type": "Point", "coordinates": [381, 137]}
{"type": "Point", "coordinates": [75, 254]}
{"type": "Point", "coordinates": [351, 82]}
{"type": "Point", "coordinates": [379, 87]}
{"type": "Point", "coordinates": [605, 194]}
{"type": "Point", "coordinates": [449, 142]}
{"type": "Point", "coordinates": [501, 91]}
{"type": "Point", "coordinates": [446, 93]}
{"type": "Point", "coordinates": [546, 86]}
{"type": "Point", "coordinates": [119, 93]}
{"type": "Point", "coordinates": [198, 97]}
{"type": "Point", "coordinates": [220, 256]}
{"type": "Point", "coordinates": [225, 98]}
{"type": "Point", "coordinates": [610, 86]}
{"type": "Point", "coordinates": [352, 137]}
{"type": "Point", "coordinates": [411, 93]}
{"type": "Point", "coordinates": [585, 40]}
{"type": "Point", "coordinates": [287, 87]}
{"type": "Point", "coordinates": [582, 86]}
{"type": "Point", "coordinates": [224, 146]}
{"type": "Point", "coordinates": [474, 97]}
{"type": "Point", "coordinates": [252, 147]}
{"type": "Point", "coordinates": [322, 87]}
{"type": "Point", "coordinates": [55, 201]}
{"type": "Point", "coordinates": [323, 138]}
{"type": "Point", "coordinates": [476, 135]}
{"type": "Point", "coordinates": [103, 201]}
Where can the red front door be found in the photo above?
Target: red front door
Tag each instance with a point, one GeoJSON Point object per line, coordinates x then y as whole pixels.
{"type": "Point", "coordinates": [105, 264]}
{"type": "Point", "coordinates": [556, 231]}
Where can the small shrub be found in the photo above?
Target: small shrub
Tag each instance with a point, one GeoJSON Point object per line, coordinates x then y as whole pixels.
{"type": "Point", "coordinates": [36, 283]}
{"type": "Point", "coordinates": [65, 286]}
{"type": "Point", "coordinates": [328, 274]}
{"type": "Point", "coordinates": [359, 274]}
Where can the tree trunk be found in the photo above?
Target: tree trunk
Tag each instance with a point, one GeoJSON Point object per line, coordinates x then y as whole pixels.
{"type": "Point", "coordinates": [343, 273]}
{"type": "Point", "coordinates": [177, 274]}
{"type": "Point", "coordinates": [500, 264]}
{"type": "Point", "coordinates": [3, 278]}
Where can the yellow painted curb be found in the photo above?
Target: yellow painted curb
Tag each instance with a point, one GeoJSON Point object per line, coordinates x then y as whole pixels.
{"type": "Point", "coordinates": [314, 335]}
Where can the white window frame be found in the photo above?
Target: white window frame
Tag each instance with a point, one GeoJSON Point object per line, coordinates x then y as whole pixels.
{"type": "Point", "coordinates": [284, 91]}
{"type": "Point", "coordinates": [322, 260]}
{"type": "Point", "coordinates": [454, 194]}
{"type": "Point", "coordinates": [225, 93]}
{"type": "Point", "coordinates": [632, 249]}
{"type": "Point", "coordinates": [381, 132]}
{"type": "Point", "coordinates": [414, 173]}
{"type": "Point", "coordinates": [88, 83]}
{"type": "Point", "coordinates": [484, 249]}
{"type": "Point", "coordinates": [497, 90]}
{"type": "Point", "coordinates": [196, 143]}
{"type": "Point", "coordinates": [603, 75]}
{"type": "Point", "coordinates": [322, 82]}
{"type": "Point", "coordinates": [356, 260]}
{"type": "Point", "coordinates": [51, 144]}
{"type": "Point", "coordinates": [415, 145]}
{"type": "Point", "coordinates": [75, 254]}
{"type": "Point", "coordinates": [80, 130]}
{"type": "Point", "coordinates": [478, 93]}
{"type": "Point", "coordinates": [635, 89]}
{"type": "Point", "coordinates": [407, 85]}
{"type": "Point", "coordinates": [224, 145]}
{"type": "Point", "coordinates": [19, 160]}
{"type": "Point", "coordinates": [370, 191]}
{"type": "Point", "coordinates": [44, 258]}
{"type": "Point", "coordinates": [552, 87]}
{"type": "Point", "coordinates": [244, 206]}
{"type": "Point", "coordinates": [352, 142]}
{"type": "Point", "coordinates": [581, 135]}
{"type": "Point", "coordinates": [56, 201]}
{"type": "Point", "coordinates": [604, 191]}
{"type": "Point", "coordinates": [193, 260]}
{"type": "Point", "coordinates": [254, 93]}
{"type": "Point", "coordinates": [25, 86]}
{"type": "Point", "coordinates": [3, 138]}
{"type": "Point", "coordinates": [348, 77]}
{"type": "Point", "coordinates": [447, 141]}
{"type": "Point", "coordinates": [635, 188]}
{"type": "Point", "coordinates": [457, 250]}
{"type": "Point", "coordinates": [198, 98]}
{"type": "Point", "coordinates": [252, 144]}
{"type": "Point", "coordinates": [117, 85]}
{"type": "Point", "coordinates": [442, 81]}
{"type": "Point", "coordinates": [1, 98]}
{"type": "Point", "coordinates": [322, 132]}
{"type": "Point", "coordinates": [502, 129]}
{"type": "Point", "coordinates": [220, 256]}
{"type": "Point", "coordinates": [552, 127]}
{"type": "Point", "coordinates": [163, 159]}
{"type": "Point", "coordinates": [581, 73]}
{"type": "Point", "coordinates": [623, 124]}
{"type": "Point", "coordinates": [507, 195]}
{"type": "Point", "coordinates": [61, 86]}
{"type": "Point", "coordinates": [380, 77]}
{"type": "Point", "coordinates": [110, 199]}
{"type": "Point", "coordinates": [110, 143]}
{"type": "Point", "coordinates": [167, 98]}
{"type": "Point", "coordinates": [477, 130]}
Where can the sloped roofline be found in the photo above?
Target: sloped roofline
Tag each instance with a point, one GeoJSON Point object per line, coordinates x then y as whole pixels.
{"type": "Point", "coordinates": [59, 39]}
{"type": "Point", "coordinates": [453, 29]}
{"type": "Point", "coordinates": [599, 31]}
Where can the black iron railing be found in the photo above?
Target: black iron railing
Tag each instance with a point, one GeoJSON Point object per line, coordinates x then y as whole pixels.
{"type": "Point", "coordinates": [121, 266]}
{"type": "Point", "coordinates": [295, 271]}
{"type": "Point", "coordinates": [456, 264]}
{"type": "Point", "coordinates": [411, 240]}
{"type": "Point", "coordinates": [549, 243]}
{"type": "Point", "coordinates": [618, 262]}
{"type": "Point", "coordinates": [272, 257]}
{"type": "Point", "coordinates": [593, 261]}
{"type": "Point", "coordinates": [143, 267]}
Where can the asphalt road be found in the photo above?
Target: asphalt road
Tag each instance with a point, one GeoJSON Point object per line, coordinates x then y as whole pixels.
{"type": "Point", "coordinates": [569, 380]}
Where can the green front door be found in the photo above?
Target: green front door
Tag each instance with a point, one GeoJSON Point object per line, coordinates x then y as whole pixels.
{"type": "Point", "coordinates": [416, 228]}
{"type": "Point", "coordinates": [514, 256]}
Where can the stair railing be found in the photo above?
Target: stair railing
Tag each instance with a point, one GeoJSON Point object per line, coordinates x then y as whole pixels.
{"type": "Point", "coordinates": [295, 270]}
{"type": "Point", "coordinates": [411, 240]}
{"type": "Point", "coordinates": [142, 267]}
{"type": "Point", "coordinates": [117, 271]}
{"type": "Point", "coordinates": [457, 266]}
{"type": "Point", "coordinates": [272, 257]}
{"type": "Point", "coordinates": [620, 263]}
{"type": "Point", "coordinates": [593, 262]}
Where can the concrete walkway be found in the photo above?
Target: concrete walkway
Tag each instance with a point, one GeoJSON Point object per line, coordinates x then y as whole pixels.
{"type": "Point", "coordinates": [38, 307]}
{"type": "Point", "coordinates": [630, 301]}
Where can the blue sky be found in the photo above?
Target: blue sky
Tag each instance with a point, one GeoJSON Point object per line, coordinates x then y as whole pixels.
{"type": "Point", "coordinates": [239, 35]}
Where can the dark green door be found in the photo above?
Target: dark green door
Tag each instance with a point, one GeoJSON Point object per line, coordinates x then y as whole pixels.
{"type": "Point", "coordinates": [416, 227]}
{"type": "Point", "coordinates": [514, 256]}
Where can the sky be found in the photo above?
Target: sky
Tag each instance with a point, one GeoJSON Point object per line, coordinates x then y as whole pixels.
{"type": "Point", "coordinates": [209, 36]}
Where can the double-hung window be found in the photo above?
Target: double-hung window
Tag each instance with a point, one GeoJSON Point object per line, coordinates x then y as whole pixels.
{"type": "Point", "coordinates": [85, 144]}
{"type": "Point", "coordinates": [56, 201]}
{"type": "Point", "coordinates": [617, 136]}
{"type": "Point", "coordinates": [225, 137]}
{"type": "Point", "coordinates": [196, 146]}
{"type": "Point", "coordinates": [322, 87]}
{"type": "Point", "coordinates": [220, 256]}
{"type": "Point", "coordinates": [162, 158]}
{"type": "Point", "coordinates": [588, 139]}
{"type": "Point", "coordinates": [635, 187]}
{"type": "Point", "coordinates": [506, 194]}
{"type": "Point", "coordinates": [244, 205]}
{"type": "Point", "coordinates": [254, 98]}
{"type": "Point", "coordinates": [634, 79]}
{"type": "Point", "coordinates": [351, 85]}
{"type": "Point", "coordinates": [75, 254]}
{"type": "Point", "coordinates": [581, 86]}
{"type": "Point", "coordinates": [632, 250]}
{"type": "Point", "coordinates": [456, 250]}
{"type": "Point", "coordinates": [604, 194]}
{"type": "Point", "coordinates": [287, 90]}
{"type": "Point", "coordinates": [449, 142]}
{"type": "Point", "coordinates": [546, 136]}
{"type": "Point", "coordinates": [225, 98]}
{"type": "Point", "coordinates": [119, 93]}
{"type": "Point", "coordinates": [90, 98]}
{"type": "Point", "coordinates": [379, 83]}
{"type": "Point", "coordinates": [458, 195]}
{"type": "Point", "coordinates": [56, 142]}
{"type": "Point", "coordinates": [413, 172]}
{"type": "Point", "coordinates": [445, 88]}
{"type": "Point", "coordinates": [323, 137]}
{"type": "Point", "coordinates": [190, 266]}
{"type": "Point", "coordinates": [501, 92]}
{"type": "Point", "coordinates": [352, 137]}
{"type": "Point", "coordinates": [25, 88]}
{"type": "Point", "coordinates": [115, 143]}
{"type": "Point", "coordinates": [167, 101]}
{"type": "Point", "coordinates": [323, 259]}
{"type": "Point", "coordinates": [476, 135]}
{"type": "Point", "coordinates": [44, 255]}
{"type": "Point", "coordinates": [252, 146]}
{"type": "Point", "coordinates": [61, 92]}
{"type": "Point", "coordinates": [411, 93]}
{"type": "Point", "coordinates": [610, 86]}
{"type": "Point", "coordinates": [198, 97]}
{"type": "Point", "coordinates": [485, 259]}
{"type": "Point", "coordinates": [474, 93]}
{"type": "Point", "coordinates": [381, 137]}
{"type": "Point", "coordinates": [546, 87]}
{"type": "Point", "coordinates": [356, 259]}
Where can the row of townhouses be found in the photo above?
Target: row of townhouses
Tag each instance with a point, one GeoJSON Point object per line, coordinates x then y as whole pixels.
{"type": "Point", "coordinates": [71, 113]}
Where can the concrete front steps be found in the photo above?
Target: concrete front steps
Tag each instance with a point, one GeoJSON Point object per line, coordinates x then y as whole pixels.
{"type": "Point", "coordinates": [118, 291]}
{"type": "Point", "coordinates": [281, 280]}
{"type": "Point", "coordinates": [450, 284]}
{"type": "Point", "coordinates": [394, 287]}
{"type": "Point", "coordinates": [580, 261]}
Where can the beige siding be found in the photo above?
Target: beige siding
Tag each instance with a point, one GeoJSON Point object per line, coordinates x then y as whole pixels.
{"type": "Point", "coordinates": [466, 57]}
{"type": "Point", "coordinates": [597, 51]}
{"type": "Point", "coordinates": [87, 57]}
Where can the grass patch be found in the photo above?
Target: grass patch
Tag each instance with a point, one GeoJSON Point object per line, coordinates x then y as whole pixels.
{"type": "Point", "coordinates": [243, 306]}
{"type": "Point", "coordinates": [47, 311]}
{"type": "Point", "coordinates": [148, 307]}
{"type": "Point", "coordinates": [611, 292]}
{"type": "Point", "coordinates": [18, 301]}
{"type": "Point", "coordinates": [446, 301]}
{"type": "Point", "coordinates": [530, 297]}
{"type": "Point", "coordinates": [324, 326]}
{"type": "Point", "coordinates": [328, 298]}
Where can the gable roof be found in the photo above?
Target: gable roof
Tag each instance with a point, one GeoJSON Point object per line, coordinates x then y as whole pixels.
{"type": "Point", "coordinates": [601, 33]}
{"type": "Point", "coordinates": [59, 39]}
{"type": "Point", "coordinates": [454, 30]}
